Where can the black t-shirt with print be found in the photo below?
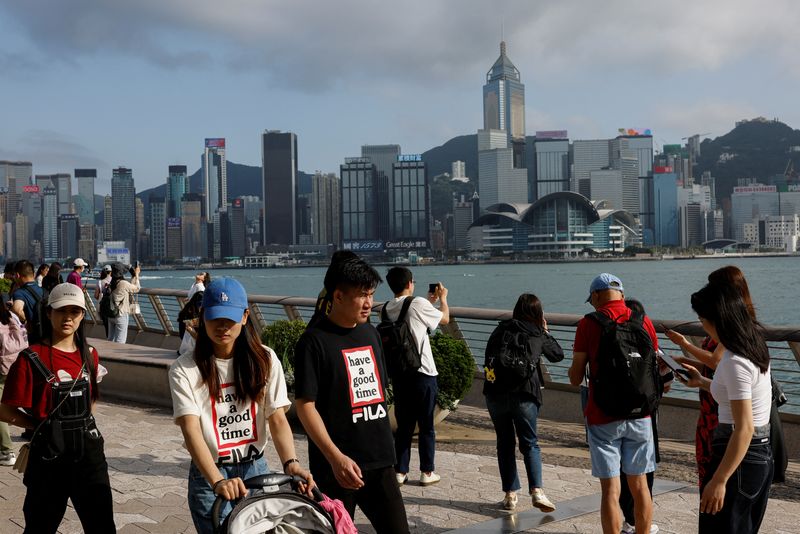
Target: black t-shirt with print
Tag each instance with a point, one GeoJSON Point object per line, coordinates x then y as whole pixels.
{"type": "Point", "coordinates": [342, 370]}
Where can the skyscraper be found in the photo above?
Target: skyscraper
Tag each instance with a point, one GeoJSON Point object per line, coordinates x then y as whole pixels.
{"type": "Point", "coordinates": [384, 158]}
{"type": "Point", "coordinates": [108, 218]}
{"type": "Point", "coordinates": [410, 223]}
{"type": "Point", "coordinates": [279, 186]}
{"type": "Point", "coordinates": [215, 191]}
{"type": "Point", "coordinates": [69, 234]}
{"type": "Point", "coordinates": [50, 224]}
{"type": "Point", "coordinates": [551, 162]}
{"type": "Point", "coordinates": [123, 193]}
{"type": "Point", "coordinates": [62, 183]}
{"type": "Point", "coordinates": [193, 228]}
{"type": "Point", "coordinates": [502, 176]}
{"type": "Point", "coordinates": [325, 214]}
{"type": "Point", "coordinates": [177, 186]}
{"type": "Point", "coordinates": [587, 156]}
{"type": "Point", "coordinates": [238, 228]}
{"type": "Point", "coordinates": [158, 228]}
{"type": "Point", "coordinates": [14, 175]}
{"type": "Point", "coordinates": [85, 201]}
{"type": "Point", "coordinates": [358, 206]}
{"type": "Point", "coordinates": [504, 104]}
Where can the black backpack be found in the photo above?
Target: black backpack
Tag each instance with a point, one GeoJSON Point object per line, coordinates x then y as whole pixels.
{"type": "Point", "coordinates": [511, 362]}
{"type": "Point", "coordinates": [399, 348]}
{"type": "Point", "coordinates": [34, 324]}
{"type": "Point", "coordinates": [108, 308]}
{"type": "Point", "coordinates": [626, 382]}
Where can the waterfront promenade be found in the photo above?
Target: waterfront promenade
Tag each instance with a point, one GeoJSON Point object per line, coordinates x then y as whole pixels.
{"type": "Point", "coordinates": [148, 468]}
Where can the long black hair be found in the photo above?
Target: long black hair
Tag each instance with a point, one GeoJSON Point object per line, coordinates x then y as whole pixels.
{"type": "Point", "coordinates": [529, 309]}
{"type": "Point", "coordinates": [737, 330]}
{"type": "Point", "coordinates": [82, 342]}
{"type": "Point", "coordinates": [252, 363]}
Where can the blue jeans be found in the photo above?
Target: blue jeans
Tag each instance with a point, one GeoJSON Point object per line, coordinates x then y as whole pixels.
{"type": "Point", "coordinates": [118, 328]}
{"type": "Point", "coordinates": [747, 490]}
{"type": "Point", "coordinates": [414, 402]}
{"type": "Point", "coordinates": [202, 497]}
{"type": "Point", "coordinates": [516, 414]}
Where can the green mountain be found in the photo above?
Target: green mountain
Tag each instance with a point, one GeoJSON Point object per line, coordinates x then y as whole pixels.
{"type": "Point", "coordinates": [757, 148]}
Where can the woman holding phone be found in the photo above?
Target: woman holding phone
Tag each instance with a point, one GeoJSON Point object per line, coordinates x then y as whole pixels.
{"type": "Point", "coordinates": [735, 488]}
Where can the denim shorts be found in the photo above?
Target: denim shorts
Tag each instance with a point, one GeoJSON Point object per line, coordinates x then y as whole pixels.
{"type": "Point", "coordinates": [627, 444]}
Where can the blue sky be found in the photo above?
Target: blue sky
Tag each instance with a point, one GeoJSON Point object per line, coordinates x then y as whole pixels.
{"type": "Point", "coordinates": [104, 83]}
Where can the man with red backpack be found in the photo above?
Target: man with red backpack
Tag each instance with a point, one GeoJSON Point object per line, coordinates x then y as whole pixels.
{"type": "Point", "coordinates": [619, 348]}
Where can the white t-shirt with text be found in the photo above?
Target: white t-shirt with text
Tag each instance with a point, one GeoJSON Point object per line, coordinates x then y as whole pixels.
{"type": "Point", "coordinates": [738, 378]}
{"type": "Point", "coordinates": [422, 317]}
{"type": "Point", "coordinates": [235, 430]}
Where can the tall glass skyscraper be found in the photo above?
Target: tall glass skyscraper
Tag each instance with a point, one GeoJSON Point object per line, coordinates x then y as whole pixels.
{"type": "Point", "coordinates": [215, 177]}
{"type": "Point", "coordinates": [279, 183]}
{"type": "Point", "coordinates": [504, 104]}
{"type": "Point", "coordinates": [177, 186]}
{"type": "Point", "coordinates": [85, 201]}
{"type": "Point", "coordinates": [123, 206]}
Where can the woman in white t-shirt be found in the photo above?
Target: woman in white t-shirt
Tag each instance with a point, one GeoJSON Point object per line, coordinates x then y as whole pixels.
{"type": "Point", "coordinates": [735, 489]}
{"type": "Point", "coordinates": [228, 396]}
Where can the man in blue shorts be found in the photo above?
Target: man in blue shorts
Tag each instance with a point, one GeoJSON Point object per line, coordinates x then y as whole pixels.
{"type": "Point", "coordinates": [614, 442]}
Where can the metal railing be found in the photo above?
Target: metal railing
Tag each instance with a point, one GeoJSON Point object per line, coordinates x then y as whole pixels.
{"type": "Point", "coordinates": [159, 311]}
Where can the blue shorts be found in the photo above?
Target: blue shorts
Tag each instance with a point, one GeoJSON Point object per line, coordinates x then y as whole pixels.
{"type": "Point", "coordinates": [627, 444]}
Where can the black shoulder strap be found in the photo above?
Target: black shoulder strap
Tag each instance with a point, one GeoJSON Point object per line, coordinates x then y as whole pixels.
{"type": "Point", "coordinates": [404, 309]}
{"type": "Point", "coordinates": [30, 290]}
{"type": "Point", "coordinates": [384, 315]}
{"type": "Point", "coordinates": [38, 365]}
{"type": "Point", "coordinates": [600, 317]}
{"type": "Point", "coordinates": [637, 318]}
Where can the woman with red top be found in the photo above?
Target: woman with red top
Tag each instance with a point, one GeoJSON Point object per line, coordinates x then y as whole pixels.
{"type": "Point", "coordinates": [58, 386]}
{"type": "Point", "coordinates": [708, 354]}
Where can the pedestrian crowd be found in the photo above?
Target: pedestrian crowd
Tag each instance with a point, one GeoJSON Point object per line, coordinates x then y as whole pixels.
{"type": "Point", "coordinates": [229, 394]}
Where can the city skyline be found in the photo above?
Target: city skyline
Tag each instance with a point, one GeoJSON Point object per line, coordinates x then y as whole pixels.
{"type": "Point", "coordinates": [89, 92]}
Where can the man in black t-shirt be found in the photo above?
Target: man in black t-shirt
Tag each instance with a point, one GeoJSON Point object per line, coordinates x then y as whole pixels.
{"type": "Point", "coordinates": [340, 379]}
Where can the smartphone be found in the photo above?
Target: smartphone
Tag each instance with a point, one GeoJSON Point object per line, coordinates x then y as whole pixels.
{"type": "Point", "coordinates": [433, 287]}
{"type": "Point", "coordinates": [675, 366]}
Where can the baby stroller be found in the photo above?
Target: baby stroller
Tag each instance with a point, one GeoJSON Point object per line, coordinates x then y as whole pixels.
{"type": "Point", "coordinates": [270, 509]}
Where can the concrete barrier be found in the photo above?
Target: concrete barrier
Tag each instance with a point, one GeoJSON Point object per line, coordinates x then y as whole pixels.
{"type": "Point", "coordinates": [135, 372]}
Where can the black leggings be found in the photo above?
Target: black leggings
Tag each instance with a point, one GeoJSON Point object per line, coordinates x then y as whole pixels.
{"type": "Point", "coordinates": [51, 482]}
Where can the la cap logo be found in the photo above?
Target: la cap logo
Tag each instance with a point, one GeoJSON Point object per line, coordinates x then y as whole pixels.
{"type": "Point", "coordinates": [223, 297]}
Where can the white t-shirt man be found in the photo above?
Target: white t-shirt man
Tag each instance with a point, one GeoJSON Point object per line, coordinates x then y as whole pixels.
{"type": "Point", "coordinates": [737, 378]}
{"type": "Point", "coordinates": [423, 318]}
{"type": "Point", "coordinates": [235, 430]}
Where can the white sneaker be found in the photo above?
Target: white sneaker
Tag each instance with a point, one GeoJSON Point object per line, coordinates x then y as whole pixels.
{"type": "Point", "coordinates": [428, 479]}
{"type": "Point", "coordinates": [510, 500]}
{"type": "Point", "coordinates": [402, 478]}
{"type": "Point", "coordinates": [541, 501]}
{"type": "Point", "coordinates": [627, 528]}
{"type": "Point", "coordinates": [8, 458]}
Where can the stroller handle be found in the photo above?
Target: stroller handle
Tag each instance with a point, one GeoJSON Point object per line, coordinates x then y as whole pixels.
{"type": "Point", "coordinates": [258, 482]}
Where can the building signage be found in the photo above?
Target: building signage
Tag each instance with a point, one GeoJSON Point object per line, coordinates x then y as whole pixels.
{"type": "Point", "coordinates": [635, 131]}
{"type": "Point", "coordinates": [755, 189]}
{"type": "Point", "coordinates": [551, 134]}
{"type": "Point", "coordinates": [30, 188]}
{"type": "Point", "coordinates": [793, 188]}
{"type": "Point", "coordinates": [411, 243]}
{"type": "Point", "coordinates": [658, 169]}
{"type": "Point", "coordinates": [364, 246]}
{"type": "Point", "coordinates": [215, 142]}
{"type": "Point", "coordinates": [174, 222]}
{"type": "Point", "coordinates": [409, 157]}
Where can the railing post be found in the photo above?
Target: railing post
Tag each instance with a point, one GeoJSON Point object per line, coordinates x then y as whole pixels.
{"type": "Point", "coordinates": [258, 317]}
{"type": "Point", "coordinates": [90, 307]}
{"type": "Point", "coordinates": [291, 312]}
{"type": "Point", "coordinates": [161, 314]}
{"type": "Point", "coordinates": [795, 348]}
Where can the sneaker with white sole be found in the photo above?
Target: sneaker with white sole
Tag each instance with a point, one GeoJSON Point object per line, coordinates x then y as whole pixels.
{"type": "Point", "coordinates": [627, 528]}
{"type": "Point", "coordinates": [510, 500]}
{"type": "Point", "coordinates": [8, 458]}
{"type": "Point", "coordinates": [426, 479]}
{"type": "Point", "coordinates": [402, 478]}
{"type": "Point", "coordinates": [540, 501]}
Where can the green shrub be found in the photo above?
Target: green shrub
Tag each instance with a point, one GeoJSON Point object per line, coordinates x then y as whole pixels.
{"type": "Point", "coordinates": [281, 336]}
{"type": "Point", "coordinates": [456, 369]}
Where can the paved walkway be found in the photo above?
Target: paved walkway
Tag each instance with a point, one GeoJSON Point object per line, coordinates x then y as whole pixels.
{"type": "Point", "coordinates": [149, 467]}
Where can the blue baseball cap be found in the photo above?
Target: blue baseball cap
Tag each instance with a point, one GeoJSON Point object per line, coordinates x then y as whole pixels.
{"type": "Point", "coordinates": [604, 281]}
{"type": "Point", "coordinates": [224, 298]}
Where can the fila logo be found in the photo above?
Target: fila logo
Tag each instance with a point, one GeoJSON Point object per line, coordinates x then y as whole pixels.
{"type": "Point", "coordinates": [223, 297]}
